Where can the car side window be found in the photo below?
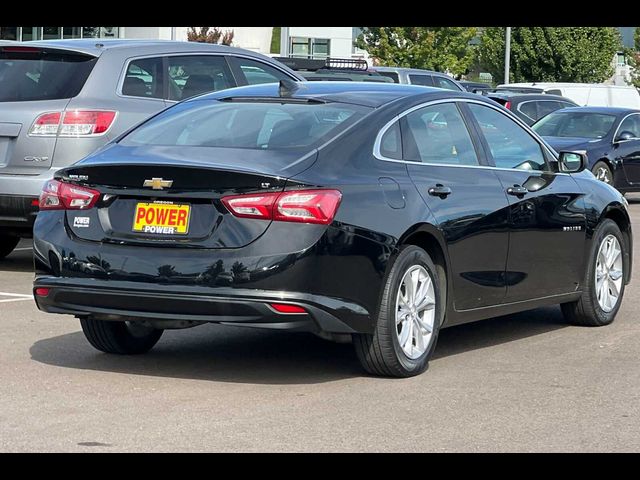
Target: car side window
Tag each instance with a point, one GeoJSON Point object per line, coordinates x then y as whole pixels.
{"type": "Point", "coordinates": [424, 80]}
{"type": "Point", "coordinates": [143, 78]}
{"type": "Point", "coordinates": [437, 134]}
{"type": "Point", "coordinates": [257, 72]}
{"type": "Point", "coordinates": [510, 144]}
{"type": "Point", "coordinates": [196, 74]}
{"type": "Point", "coordinates": [546, 107]}
{"type": "Point", "coordinates": [529, 110]}
{"type": "Point", "coordinates": [391, 143]}
{"type": "Point", "coordinates": [631, 124]}
{"type": "Point", "coordinates": [442, 82]}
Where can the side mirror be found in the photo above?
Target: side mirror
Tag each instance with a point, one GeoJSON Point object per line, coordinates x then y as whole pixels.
{"type": "Point", "coordinates": [572, 162]}
{"type": "Point", "coordinates": [624, 135]}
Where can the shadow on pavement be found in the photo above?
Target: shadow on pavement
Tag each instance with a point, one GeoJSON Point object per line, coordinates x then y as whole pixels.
{"type": "Point", "coordinates": [19, 260]}
{"type": "Point", "coordinates": [239, 355]}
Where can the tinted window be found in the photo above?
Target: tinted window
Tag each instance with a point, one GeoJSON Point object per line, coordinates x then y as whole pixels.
{"type": "Point", "coordinates": [264, 125]}
{"type": "Point", "coordinates": [529, 110]}
{"type": "Point", "coordinates": [143, 78]}
{"type": "Point", "coordinates": [575, 124]}
{"type": "Point", "coordinates": [424, 80]}
{"type": "Point", "coordinates": [391, 143]}
{"type": "Point", "coordinates": [510, 145]}
{"type": "Point", "coordinates": [546, 107]}
{"type": "Point", "coordinates": [258, 72]}
{"type": "Point", "coordinates": [392, 75]}
{"type": "Point", "coordinates": [197, 74]}
{"type": "Point", "coordinates": [39, 75]}
{"type": "Point", "coordinates": [442, 82]}
{"type": "Point", "coordinates": [631, 124]}
{"type": "Point", "coordinates": [438, 134]}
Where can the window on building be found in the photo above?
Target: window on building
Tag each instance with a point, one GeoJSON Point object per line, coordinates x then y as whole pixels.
{"type": "Point", "coordinates": [90, 32]}
{"type": "Point", "coordinates": [310, 47]}
{"type": "Point", "coordinates": [71, 32]}
{"type": "Point", "coordinates": [51, 33]}
{"type": "Point", "coordinates": [31, 33]}
{"type": "Point", "coordinates": [8, 33]}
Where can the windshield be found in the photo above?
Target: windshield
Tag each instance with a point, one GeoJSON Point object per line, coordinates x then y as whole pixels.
{"type": "Point", "coordinates": [575, 124]}
{"type": "Point", "coordinates": [253, 124]}
{"type": "Point", "coordinates": [30, 74]}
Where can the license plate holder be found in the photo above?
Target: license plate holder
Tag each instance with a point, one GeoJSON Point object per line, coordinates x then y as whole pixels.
{"type": "Point", "coordinates": [154, 218]}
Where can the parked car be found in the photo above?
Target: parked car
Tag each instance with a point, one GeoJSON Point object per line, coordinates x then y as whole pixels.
{"type": "Point", "coordinates": [476, 87]}
{"type": "Point", "coordinates": [584, 94]}
{"type": "Point", "coordinates": [377, 211]}
{"type": "Point", "coordinates": [333, 69]}
{"type": "Point", "coordinates": [609, 136]}
{"type": "Point", "coordinates": [415, 76]}
{"type": "Point", "coordinates": [530, 107]}
{"type": "Point", "coordinates": [62, 99]}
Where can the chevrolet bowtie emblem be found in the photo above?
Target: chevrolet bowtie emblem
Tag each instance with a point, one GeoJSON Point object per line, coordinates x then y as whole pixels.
{"type": "Point", "coordinates": [158, 183]}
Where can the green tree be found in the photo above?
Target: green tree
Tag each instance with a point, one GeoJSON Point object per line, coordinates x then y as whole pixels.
{"type": "Point", "coordinates": [633, 59]}
{"type": "Point", "coordinates": [551, 54]}
{"type": "Point", "coordinates": [433, 48]}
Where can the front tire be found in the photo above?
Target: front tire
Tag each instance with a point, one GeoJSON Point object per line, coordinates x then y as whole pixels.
{"type": "Point", "coordinates": [603, 172]}
{"type": "Point", "coordinates": [604, 283]}
{"type": "Point", "coordinates": [408, 321]}
{"type": "Point", "coordinates": [7, 244]}
{"type": "Point", "coordinates": [123, 338]}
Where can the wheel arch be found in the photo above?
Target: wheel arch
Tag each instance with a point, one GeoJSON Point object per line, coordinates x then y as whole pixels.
{"type": "Point", "coordinates": [430, 239]}
{"type": "Point", "coordinates": [617, 213]}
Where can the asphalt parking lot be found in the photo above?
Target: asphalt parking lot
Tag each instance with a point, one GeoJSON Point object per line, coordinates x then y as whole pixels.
{"type": "Point", "coordinates": [525, 382]}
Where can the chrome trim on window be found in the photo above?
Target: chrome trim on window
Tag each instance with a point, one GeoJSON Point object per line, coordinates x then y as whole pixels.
{"type": "Point", "coordinates": [502, 110]}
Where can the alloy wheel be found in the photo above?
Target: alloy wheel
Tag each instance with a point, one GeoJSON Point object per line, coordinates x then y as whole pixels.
{"type": "Point", "coordinates": [415, 311]}
{"type": "Point", "coordinates": [609, 274]}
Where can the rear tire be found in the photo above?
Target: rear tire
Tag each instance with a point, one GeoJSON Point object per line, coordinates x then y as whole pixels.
{"type": "Point", "coordinates": [603, 172]}
{"type": "Point", "coordinates": [588, 310]}
{"type": "Point", "coordinates": [7, 244]}
{"type": "Point", "coordinates": [381, 353]}
{"type": "Point", "coordinates": [123, 338]}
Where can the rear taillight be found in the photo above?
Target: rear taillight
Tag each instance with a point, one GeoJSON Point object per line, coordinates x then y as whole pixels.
{"type": "Point", "coordinates": [74, 123]}
{"type": "Point", "coordinates": [66, 196]}
{"type": "Point", "coordinates": [304, 206]}
{"type": "Point", "coordinates": [507, 105]}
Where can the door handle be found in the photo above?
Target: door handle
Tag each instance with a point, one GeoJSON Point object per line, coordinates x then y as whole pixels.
{"type": "Point", "coordinates": [439, 191]}
{"type": "Point", "coordinates": [517, 191]}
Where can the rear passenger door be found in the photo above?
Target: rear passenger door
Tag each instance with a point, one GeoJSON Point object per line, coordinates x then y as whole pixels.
{"type": "Point", "coordinates": [466, 198]}
{"type": "Point", "coordinates": [546, 211]}
{"type": "Point", "coordinates": [191, 75]}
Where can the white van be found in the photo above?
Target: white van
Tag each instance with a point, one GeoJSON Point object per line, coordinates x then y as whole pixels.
{"type": "Point", "coordinates": [588, 94]}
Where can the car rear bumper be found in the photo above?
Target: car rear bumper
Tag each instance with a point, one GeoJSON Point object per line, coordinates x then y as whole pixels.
{"type": "Point", "coordinates": [231, 306]}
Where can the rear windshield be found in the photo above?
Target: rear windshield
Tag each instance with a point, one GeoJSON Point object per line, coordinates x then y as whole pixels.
{"type": "Point", "coordinates": [29, 74]}
{"type": "Point", "coordinates": [246, 124]}
{"type": "Point", "coordinates": [392, 75]}
{"type": "Point", "coordinates": [575, 124]}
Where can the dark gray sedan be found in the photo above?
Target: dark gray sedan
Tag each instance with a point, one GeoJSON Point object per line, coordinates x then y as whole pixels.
{"type": "Point", "coordinates": [62, 99]}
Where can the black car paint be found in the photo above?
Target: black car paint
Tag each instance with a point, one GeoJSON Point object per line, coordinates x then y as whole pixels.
{"type": "Point", "coordinates": [622, 157]}
{"type": "Point", "coordinates": [494, 247]}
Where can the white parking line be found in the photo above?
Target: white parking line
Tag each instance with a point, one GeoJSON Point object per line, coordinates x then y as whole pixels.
{"type": "Point", "coordinates": [15, 300]}
{"type": "Point", "coordinates": [22, 295]}
{"type": "Point", "coordinates": [22, 249]}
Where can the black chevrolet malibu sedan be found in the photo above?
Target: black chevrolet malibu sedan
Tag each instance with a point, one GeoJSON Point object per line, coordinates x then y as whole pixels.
{"type": "Point", "coordinates": [609, 136]}
{"type": "Point", "coordinates": [380, 212]}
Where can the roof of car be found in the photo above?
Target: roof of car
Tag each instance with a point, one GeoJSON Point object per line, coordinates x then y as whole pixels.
{"type": "Point", "coordinates": [605, 110]}
{"type": "Point", "coordinates": [95, 46]}
{"type": "Point", "coordinates": [527, 96]}
{"type": "Point", "coordinates": [405, 69]}
{"type": "Point", "coordinates": [361, 93]}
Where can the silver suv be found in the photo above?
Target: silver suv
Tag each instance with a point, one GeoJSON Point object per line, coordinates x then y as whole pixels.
{"type": "Point", "coordinates": [416, 76]}
{"type": "Point", "coordinates": [62, 99]}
